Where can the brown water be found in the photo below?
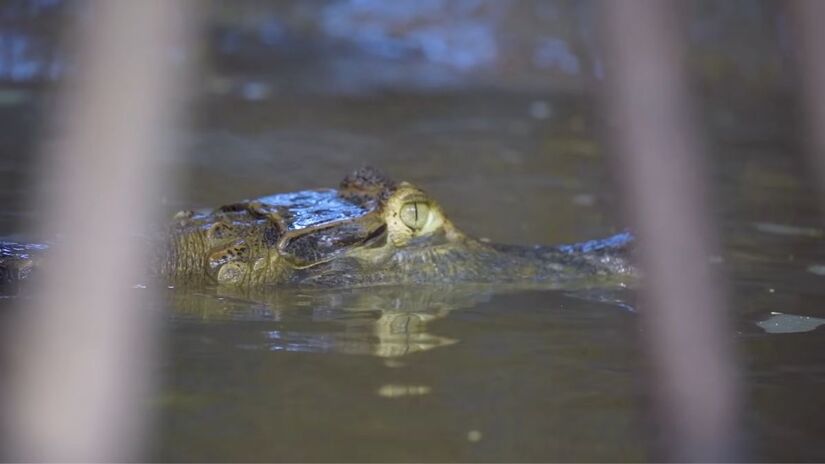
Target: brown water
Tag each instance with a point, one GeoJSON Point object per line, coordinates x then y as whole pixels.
{"type": "Point", "coordinates": [462, 373]}
{"type": "Point", "coordinates": [465, 373]}
{"type": "Point", "coordinates": [468, 373]}
{"type": "Point", "coordinates": [423, 373]}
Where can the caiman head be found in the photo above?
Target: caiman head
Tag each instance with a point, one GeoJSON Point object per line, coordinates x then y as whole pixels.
{"type": "Point", "coordinates": [369, 231]}
{"type": "Point", "coordinates": [365, 232]}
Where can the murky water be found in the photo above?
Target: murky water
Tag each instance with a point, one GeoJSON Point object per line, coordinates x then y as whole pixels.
{"type": "Point", "coordinates": [401, 374]}
{"type": "Point", "coordinates": [469, 373]}
{"type": "Point", "coordinates": [462, 373]}
{"type": "Point", "coordinates": [418, 373]}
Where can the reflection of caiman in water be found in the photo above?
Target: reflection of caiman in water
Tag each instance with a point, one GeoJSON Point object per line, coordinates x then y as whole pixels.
{"type": "Point", "coordinates": [386, 321]}
{"type": "Point", "coordinates": [371, 231]}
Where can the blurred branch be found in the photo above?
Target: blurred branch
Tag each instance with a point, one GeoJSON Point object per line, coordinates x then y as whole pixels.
{"type": "Point", "coordinates": [685, 325]}
{"type": "Point", "coordinates": [81, 377]}
{"type": "Point", "coordinates": [808, 17]}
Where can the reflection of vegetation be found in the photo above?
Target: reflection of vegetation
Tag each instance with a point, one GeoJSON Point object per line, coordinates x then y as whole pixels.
{"type": "Point", "coordinates": [409, 44]}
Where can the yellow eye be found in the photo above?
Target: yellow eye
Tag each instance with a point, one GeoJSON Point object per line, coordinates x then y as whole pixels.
{"type": "Point", "coordinates": [415, 214]}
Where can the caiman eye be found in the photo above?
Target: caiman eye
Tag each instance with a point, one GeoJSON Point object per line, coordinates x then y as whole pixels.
{"type": "Point", "coordinates": [415, 214]}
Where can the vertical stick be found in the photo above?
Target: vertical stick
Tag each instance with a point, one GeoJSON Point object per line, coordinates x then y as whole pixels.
{"type": "Point", "coordinates": [85, 345]}
{"type": "Point", "coordinates": [807, 16]}
{"type": "Point", "coordinates": [664, 180]}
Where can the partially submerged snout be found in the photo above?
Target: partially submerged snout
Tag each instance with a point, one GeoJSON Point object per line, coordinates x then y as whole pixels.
{"type": "Point", "coordinates": [370, 231]}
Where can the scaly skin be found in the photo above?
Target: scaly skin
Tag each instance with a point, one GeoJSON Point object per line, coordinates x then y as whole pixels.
{"type": "Point", "coordinates": [371, 231]}
{"type": "Point", "coordinates": [387, 244]}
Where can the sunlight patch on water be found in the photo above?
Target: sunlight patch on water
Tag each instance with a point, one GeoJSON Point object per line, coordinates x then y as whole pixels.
{"type": "Point", "coordinates": [789, 323]}
{"type": "Point", "coordinates": [399, 390]}
{"type": "Point", "coordinates": [787, 229]}
{"type": "Point", "coordinates": [818, 269]}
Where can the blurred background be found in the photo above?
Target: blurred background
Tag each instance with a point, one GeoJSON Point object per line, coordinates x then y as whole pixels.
{"type": "Point", "coordinates": [428, 90]}
{"type": "Point", "coordinates": [490, 105]}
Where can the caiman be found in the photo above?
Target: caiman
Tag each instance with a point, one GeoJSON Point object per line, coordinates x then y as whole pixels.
{"type": "Point", "coordinates": [370, 231]}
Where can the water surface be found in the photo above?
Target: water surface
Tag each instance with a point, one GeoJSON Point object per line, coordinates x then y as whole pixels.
{"type": "Point", "coordinates": [469, 372]}
{"type": "Point", "coordinates": [457, 373]}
